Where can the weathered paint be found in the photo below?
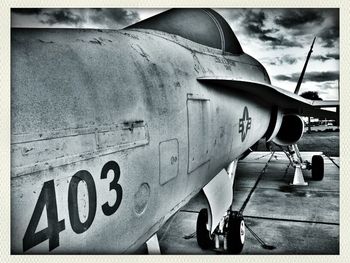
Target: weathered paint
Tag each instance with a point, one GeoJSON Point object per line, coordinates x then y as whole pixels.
{"type": "Point", "coordinates": [83, 98]}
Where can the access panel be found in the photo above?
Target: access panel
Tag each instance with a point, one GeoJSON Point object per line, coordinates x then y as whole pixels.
{"type": "Point", "coordinates": [198, 109]}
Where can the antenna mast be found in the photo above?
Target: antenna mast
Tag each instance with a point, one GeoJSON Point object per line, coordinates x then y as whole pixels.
{"type": "Point", "coordinates": [297, 88]}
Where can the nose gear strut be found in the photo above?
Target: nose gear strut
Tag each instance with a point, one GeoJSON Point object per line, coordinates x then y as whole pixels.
{"type": "Point", "coordinates": [231, 229]}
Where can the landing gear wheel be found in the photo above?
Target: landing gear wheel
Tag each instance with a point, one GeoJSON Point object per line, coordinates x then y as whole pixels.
{"type": "Point", "coordinates": [235, 234]}
{"type": "Point", "coordinates": [317, 167]}
{"type": "Point", "coordinates": [204, 239]}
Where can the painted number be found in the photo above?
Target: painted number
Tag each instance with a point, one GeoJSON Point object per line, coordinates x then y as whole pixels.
{"type": "Point", "coordinates": [78, 226]}
{"type": "Point", "coordinates": [47, 198]}
{"type": "Point", "coordinates": [112, 166]}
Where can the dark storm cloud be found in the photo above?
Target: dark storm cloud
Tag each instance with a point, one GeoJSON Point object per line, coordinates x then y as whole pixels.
{"type": "Point", "coordinates": [283, 77]}
{"type": "Point", "coordinates": [62, 16]}
{"type": "Point", "coordinates": [254, 24]}
{"type": "Point", "coordinates": [255, 20]}
{"type": "Point", "coordinates": [106, 17]}
{"type": "Point", "coordinates": [289, 60]}
{"type": "Point", "coordinates": [323, 23]}
{"type": "Point", "coordinates": [281, 41]}
{"type": "Point", "coordinates": [52, 16]}
{"type": "Point", "coordinates": [292, 18]}
{"type": "Point", "coordinates": [27, 11]}
{"type": "Point", "coordinates": [326, 57]}
{"type": "Point", "coordinates": [278, 41]}
{"type": "Point", "coordinates": [322, 76]}
{"type": "Point", "coordinates": [314, 76]}
{"type": "Point", "coordinates": [329, 36]}
{"type": "Point", "coordinates": [321, 58]}
{"type": "Point", "coordinates": [286, 59]}
{"type": "Point", "coordinates": [333, 55]}
{"type": "Point", "coordinates": [111, 15]}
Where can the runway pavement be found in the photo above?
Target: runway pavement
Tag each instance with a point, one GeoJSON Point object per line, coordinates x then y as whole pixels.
{"type": "Point", "coordinates": [282, 219]}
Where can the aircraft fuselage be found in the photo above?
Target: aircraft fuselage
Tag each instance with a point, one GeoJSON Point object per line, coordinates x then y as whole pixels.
{"type": "Point", "coordinates": [112, 133]}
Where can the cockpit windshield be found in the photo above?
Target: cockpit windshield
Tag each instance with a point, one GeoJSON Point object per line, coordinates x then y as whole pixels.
{"type": "Point", "coordinates": [203, 26]}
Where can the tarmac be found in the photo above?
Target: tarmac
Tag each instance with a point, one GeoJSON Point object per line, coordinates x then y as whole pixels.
{"type": "Point", "coordinates": [280, 218]}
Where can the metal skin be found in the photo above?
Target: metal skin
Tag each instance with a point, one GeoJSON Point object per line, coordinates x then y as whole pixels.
{"type": "Point", "coordinates": [81, 99]}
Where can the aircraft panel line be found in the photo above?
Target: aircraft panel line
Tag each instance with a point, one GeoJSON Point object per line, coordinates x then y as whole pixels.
{"type": "Point", "coordinates": [189, 211]}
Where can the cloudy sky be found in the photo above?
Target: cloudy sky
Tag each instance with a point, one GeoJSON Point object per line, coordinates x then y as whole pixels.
{"type": "Point", "coordinates": [279, 38]}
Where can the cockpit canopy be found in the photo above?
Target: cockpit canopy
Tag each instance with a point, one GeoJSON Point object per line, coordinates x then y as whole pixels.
{"type": "Point", "coordinates": [204, 26]}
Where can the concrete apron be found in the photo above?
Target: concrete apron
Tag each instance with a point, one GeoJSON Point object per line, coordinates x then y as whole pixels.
{"type": "Point", "coordinates": [288, 219]}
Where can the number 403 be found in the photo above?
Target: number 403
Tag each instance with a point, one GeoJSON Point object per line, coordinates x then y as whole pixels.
{"type": "Point", "coordinates": [47, 198]}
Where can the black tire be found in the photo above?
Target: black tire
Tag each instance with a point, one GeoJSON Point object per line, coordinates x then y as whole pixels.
{"type": "Point", "coordinates": [235, 234]}
{"type": "Point", "coordinates": [317, 167]}
{"type": "Point", "coordinates": [204, 239]}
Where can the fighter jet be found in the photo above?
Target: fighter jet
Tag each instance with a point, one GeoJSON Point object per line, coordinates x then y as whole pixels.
{"type": "Point", "coordinates": [113, 131]}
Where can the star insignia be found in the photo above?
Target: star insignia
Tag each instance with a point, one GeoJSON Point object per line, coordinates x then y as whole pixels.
{"type": "Point", "coordinates": [244, 123]}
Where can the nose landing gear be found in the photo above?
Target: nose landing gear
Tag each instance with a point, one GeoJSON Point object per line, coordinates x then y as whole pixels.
{"type": "Point", "coordinates": [235, 233]}
{"type": "Point", "coordinates": [204, 239]}
{"type": "Point", "coordinates": [219, 228]}
{"type": "Point", "coordinates": [230, 231]}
